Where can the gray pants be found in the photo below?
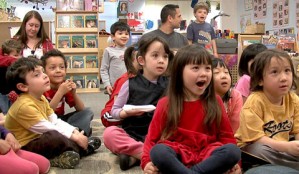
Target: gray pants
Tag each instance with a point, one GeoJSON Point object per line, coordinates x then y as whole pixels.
{"type": "Point", "coordinates": [270, 168]}
{"type": "Point", "coordinates": [80, 119]}
{"type": "Point", "coordinates": [272, 156]}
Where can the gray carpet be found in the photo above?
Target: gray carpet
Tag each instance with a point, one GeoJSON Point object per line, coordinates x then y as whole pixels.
{"type": "Point", "coordinates": [103, 161]}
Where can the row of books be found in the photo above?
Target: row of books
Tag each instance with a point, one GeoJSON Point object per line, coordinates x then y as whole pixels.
{"type": "Point", "coordinates": [85, 81]}
{"type": "Point", "coordinates": [78, 41]}
{"type": "Point", "coordinates": [77, 21]}
{"type": "Point", "coordinates": [79, 5]}
{"type": "Point", "coordinates": [80, 61]}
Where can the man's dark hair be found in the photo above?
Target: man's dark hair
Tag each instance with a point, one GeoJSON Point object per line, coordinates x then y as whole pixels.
{"type": "Point", "coordinates": [169, 9]}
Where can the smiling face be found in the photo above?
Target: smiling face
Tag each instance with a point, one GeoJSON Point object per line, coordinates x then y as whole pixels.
{"type": "Point", "coordinates": [196, 79]}
{"type": "Point", "coordinates": [121, 38]}
{"type": "Point", "coordinates": [277, 79]}
{"type": "Point", "coordinates": [56, 70]}
{"type": "Point", "coordinates": [32, 27]}
{"type": "Point", "coordinates": [222, 80]}
{"type": "Point", "coordinates": [201, 15]}
{"type": "Point", "coordinates": [155, 61]}
{"type": "Point", "coordinates": [37, 82]}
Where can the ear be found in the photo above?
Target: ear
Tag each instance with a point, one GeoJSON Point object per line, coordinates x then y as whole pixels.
{"type": "Point", "coordinates": [261, 83]}
{"type": "Point", "coordinates": [22, 87]}
{"type": "Point", "coordinates": [140, 60]}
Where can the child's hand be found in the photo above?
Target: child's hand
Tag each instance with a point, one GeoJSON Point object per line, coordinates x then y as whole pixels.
{"type": "Point", "coordinates": [150, 168]}
{"type": "Point", "coordinates": [216, 55]}
{"type": "Point", "coordinates": [11, 140]}
{"type": "Point", "coordinates": [65, 87]}
{"type": "Point", "coordinates": [2, 119]}
{"type": "Point", "coordinates": [109, 89]}
{"type": "Point", "coordinates": [235, 170]}
{"type": "Point", "coordinates": [4, 147]}
{"type": "Point", "coordinates": [74, 86]}
{"type": "Point", "coordinates": [293, 148]}
{"type": "Point", "coordinates": [80, 139]}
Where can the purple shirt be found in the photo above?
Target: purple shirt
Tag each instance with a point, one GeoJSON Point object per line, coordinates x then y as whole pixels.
{"type": "Point", "coordinates": [3, 132]}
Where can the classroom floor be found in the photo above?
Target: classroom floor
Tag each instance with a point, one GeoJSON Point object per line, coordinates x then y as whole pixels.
{"type": "Point", "coordinates": [103, 161]}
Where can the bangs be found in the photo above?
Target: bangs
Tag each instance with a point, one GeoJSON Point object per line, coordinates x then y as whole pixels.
{"type": "Point", "coordinates": [218, 62]}
{"type": "Point", "coordinates": [199, 59]}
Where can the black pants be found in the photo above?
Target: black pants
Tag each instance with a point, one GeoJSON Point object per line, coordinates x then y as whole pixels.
{"type": "Point", "coordinates": [221, 160]}
{"type": "Point", "coordinates": [51, 144]}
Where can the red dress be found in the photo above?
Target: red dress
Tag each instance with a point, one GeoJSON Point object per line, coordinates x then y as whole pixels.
{"type": "Point", "coordinates": [192, 141]}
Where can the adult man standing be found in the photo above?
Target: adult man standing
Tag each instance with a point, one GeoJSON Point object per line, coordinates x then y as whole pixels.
{"type": "Point", "coordinates": [171, 19]}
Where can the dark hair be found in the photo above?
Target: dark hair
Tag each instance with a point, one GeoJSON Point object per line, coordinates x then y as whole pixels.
{"type": "Point", "coordinates": [119, 26]}
{"type": "Point", "coordinates": [53, 53]}
{"type": "Point", "coordinates": [219, 62]}
{"type": "Point", "coordinates": [190, 54]}
{"type": "Point", "coordinates": [201, 5]}
{"type": "Point", "coordinates": [21, 34]}
{"type": "Point", "coordinates": [248, 54]}
{"type": "Point", "coordinates": [11, 45]}
{"type": "Point", "coordinates": [145, 42]}
{"type": "Point", "coordinates": [169, 9]}
{"type": "Point", "coordinates": [129, 57]}
{"type": "Point", "coordinates": [16, 73]}
{"type": "Point", "coordinates": [262, 61]}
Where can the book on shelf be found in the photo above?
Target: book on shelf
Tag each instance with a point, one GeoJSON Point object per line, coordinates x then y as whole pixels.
{"type": "Point", "coordinates": [68, 77]}
{"type": "Point", "coordinates": [88, 5]}
{"type": "Point", "coordinates": [91, 61]}
{"type": "Point", "coordinates": [70, 5]}
{"type": "Point", "coordinates": [79, 80]}
{"type": "Point", "coordinates": [77, 21]}
{"type": "Point", "coordinates": [101, 6]}
{"type": "Point", "coordinates": [91, 81]}
{"type": "Point", "coordinates": [270, 41]}
{"type": "Point", "coordinates": [91, 21]}
{"type": "Point", "coordinates": [63, 21]}
{"type": "Point", "coordinates": [64, 41]}
{"type": "Point", "coordinates": [78, 61]}
{"type": "Point", "coordinates": [68, 61]}
{"type": "Point", "coordinates": [91, 41]}
{"type": "Point", "coordinates": [77, 41]}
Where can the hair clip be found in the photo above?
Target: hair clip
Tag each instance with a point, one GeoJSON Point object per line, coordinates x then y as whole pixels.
{"type": "Point", "coordinates": [136, 48]}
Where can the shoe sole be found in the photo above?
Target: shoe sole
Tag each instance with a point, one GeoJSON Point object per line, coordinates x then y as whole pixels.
{"type": "Point", "coordinates": [67, 160]}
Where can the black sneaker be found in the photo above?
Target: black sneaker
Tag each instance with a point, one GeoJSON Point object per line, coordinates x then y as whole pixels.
{"type": "Point", "coordinates": [67, 160]}
{"type": "Point", "coordinates": [93, 144]}
{"type": "Point", "coordinates": [125, 162]}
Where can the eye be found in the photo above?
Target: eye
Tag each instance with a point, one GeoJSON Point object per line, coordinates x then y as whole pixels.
{"type": "Point", "coordinates": [273, 72]}
{"type": "Point", "coordinates": [288, 70]}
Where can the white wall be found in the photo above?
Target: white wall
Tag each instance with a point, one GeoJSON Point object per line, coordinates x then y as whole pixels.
{"type": "Point", "coordinates": [231, 8]}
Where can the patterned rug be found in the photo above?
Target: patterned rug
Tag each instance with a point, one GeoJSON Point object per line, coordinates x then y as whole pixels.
{"type": "Point", "coordinates": [102, 162]}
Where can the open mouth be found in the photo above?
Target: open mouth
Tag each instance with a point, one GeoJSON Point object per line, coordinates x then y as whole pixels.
{"type": "Point", "coordinates": [224, 83]}
{"type": "Point", "coordinates": [200, 84]}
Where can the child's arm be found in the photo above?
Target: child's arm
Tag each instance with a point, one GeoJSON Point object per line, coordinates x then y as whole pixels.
{"type": "Point", "coordinates": [190, 34]}
{"type": "Point", "coordinates": [104, 71]}
{"type": "Point", "coordinates": [79, 105]}
{"type": "Point", "coordinates": [64, 88]}
{"type": "Point", "coordinates": [2, 119]}
{"type": "Point", "coordinates": [215, 53]}
{"type": "Point", "coordinates": [117, 112]}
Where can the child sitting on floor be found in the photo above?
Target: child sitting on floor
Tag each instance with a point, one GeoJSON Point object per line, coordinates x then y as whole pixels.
{"type": "Point", "coordinates": [34, 123]}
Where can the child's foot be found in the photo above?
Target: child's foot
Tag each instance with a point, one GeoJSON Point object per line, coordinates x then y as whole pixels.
{"type": "Point", "coordinates": [126, 161]}
{"type": "Point", "coordinates": [67, 160]}
{"type": "Point", "coordinates": [93, 144]}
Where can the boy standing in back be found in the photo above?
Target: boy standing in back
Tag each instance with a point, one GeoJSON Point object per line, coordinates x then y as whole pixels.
{"type": "Point", "coordinates": [113, 66]}
{"type": "Point", "coordinates": [201, 32]}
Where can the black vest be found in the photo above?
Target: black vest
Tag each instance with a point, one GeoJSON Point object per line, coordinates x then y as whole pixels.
{"type": "Point", "coordinates": [143, 92]}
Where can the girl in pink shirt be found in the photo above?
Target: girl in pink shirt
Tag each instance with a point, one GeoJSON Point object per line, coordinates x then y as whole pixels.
{"type": "Point", "coordinates": [231, 98]}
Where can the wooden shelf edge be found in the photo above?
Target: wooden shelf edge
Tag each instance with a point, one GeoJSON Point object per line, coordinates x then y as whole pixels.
{"type": "Point", "coordinates": [83, 70]}
{"type": "Point", "coordinates": [75, 12]}
{"type": "Point", "coordinates": [88, 90]}
{"type": "Point", "coordinates": [76, 30]}
{"type": "Point", "coordinates": [79, 50]}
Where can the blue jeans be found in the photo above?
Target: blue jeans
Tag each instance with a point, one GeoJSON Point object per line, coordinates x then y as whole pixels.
{"type": "Point", "coordinates": [221, 160]}
{"type": "Point", "coordinates": [4, 103]}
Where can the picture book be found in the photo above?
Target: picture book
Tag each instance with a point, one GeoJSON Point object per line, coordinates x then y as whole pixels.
{"type": "Point", "coordinates": [64, 41]}
{"type": "Point", "coordinates": [79, 80]}
{"type": "Point", "coordinates": [68, 61]}
{"type": "Point", "coordinates": [270, 41]}
{"type": "Point", "coordinates": [77, 21]}
{"type": "Point", "coordinates": [91, 41]}
{"type": "Point", "coordinates": [91, 61]}
{"type": "Point", "coordinates": [78, 61]}
{"type": "Point", "coordinates": [77, 41]}
{"type": "Point", "coordinates": [63, 21]}
{"type": "Point", "coordinates": [91, 21]}
{"type": "Point", "coordinates": [91, 81]}
{"type": "Point", "coordinates": [88, 5]}
{"type": "Point", "coordinates": [70, 5]}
